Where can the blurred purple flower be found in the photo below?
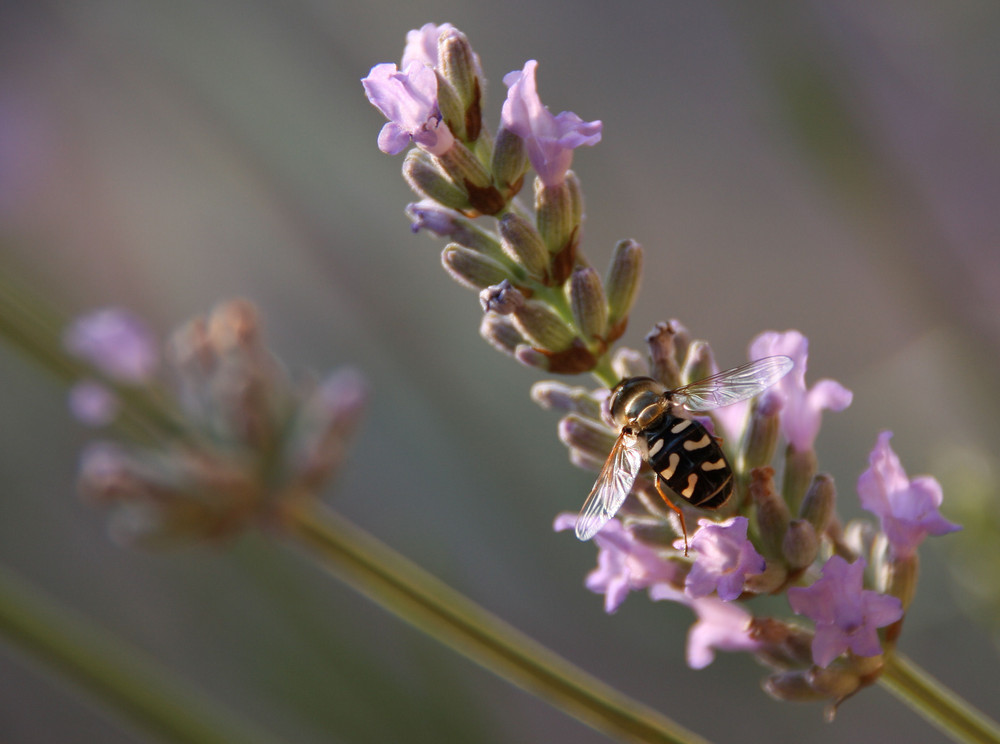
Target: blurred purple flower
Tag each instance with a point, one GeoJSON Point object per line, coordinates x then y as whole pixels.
{"type": "Point", "coordinates": [550, 140]}
{"type": "Point", "coordinates": [907, 508]}
{"type": "Point", "coordinates": [801, 408]}
{"type": "Point", "coordinates": [847, 616]}
{"type": "Point", "coordinates": [623, 564]}
{"type": "Point", "coordinates": [116, 342]}
{"type": "Point", "coordinates": [422, 44]}
{"type": "Point", "coordinates": [408, 99]}
{"type": "Point", "coordinates": [724, 558]}
{"type": "Point", "coordinates": [92, 403]}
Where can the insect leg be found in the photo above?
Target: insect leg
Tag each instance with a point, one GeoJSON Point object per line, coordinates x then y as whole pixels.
{"type": "Point", "coordinates": [672, 505]}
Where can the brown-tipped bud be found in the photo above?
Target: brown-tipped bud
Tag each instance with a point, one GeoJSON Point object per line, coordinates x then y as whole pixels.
{"type": "Point", "coordinates": [800, 469]}
{"type": "Point", "coordinates": [523, 245]}
{"type": "Point", "coordinates": [559, 213]}
{"type": "Point", "coordinates": [586, 298]}
{"type": "Point", "coordinates": [447, 223]}
{"type": "Point", "coordinates": [901, 578]}
{"type": "Point", "coordinates": [792, 687]}
{"type": "Point", "coordinates": [541, 327]}
{"type": "Point", "coordinates": [425, 177]}
{"type": "Point", "coordinates": [800, 545]}
{"type": "Point", "coordinates": [817, 506]}
{"type": "Point", "coordinates": [772, 513]}
{"type": "Point", "coordinates": [782, 645]}
{"type": "Point", "coordinates": [835, 682]}
{"type": "Point", "coordinates": [451, 108]}
{"type": "Point", "coordinates": [699, 362]}
{"type": "Point", "coordinates": [460, 67]}
{"type": "Point", "coordinates": [556, 396]}
{"type": "Point", "coordinates": [761, 437]}
{"type": "Point", "coordinates": [465, 169]}
{"type": "Point", "coordinates": [665, 351]}
{"type": "Point", "coordinates": [501, 333]}
{"type": "Point", "coordinates": [510, 161]}
{"type": "Point", "coordinates": [629, 363]}
{"type": "Point", "coordinates": [502, 299]}
{"type": "Point", "coordinates": [235, 325]}
{"type": "Point", "coordinates": [529, 356]}
{"type": "Point", "coordinates": [471, 268]}
{"type": "Point", "coordinates": [588, 436]}
{"type": "Point", "coordinates": [622, 282]}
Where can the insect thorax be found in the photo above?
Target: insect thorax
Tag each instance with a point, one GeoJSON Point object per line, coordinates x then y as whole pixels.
{"type": "Point", "coordinates": [690, 460]}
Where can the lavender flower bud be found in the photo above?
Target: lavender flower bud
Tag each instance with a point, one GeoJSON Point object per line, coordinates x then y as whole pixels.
{"type": "Point", "coordinates": [459, 66]}
{"type": "Point", "coordinates": [586, 435]}
{"type": "Point", "coordinates": [586, 297]}
{"type": "Point", "coordinates": [782, 645]}
{"type": "Point", "coordinates": [559, 212]}
{"type": "Point", "coordinates": [500, 332]}
{"type": "Point", "coordinates": [901, 578]}
{"type": "Point", "coordinates": [664, 349]}
{"type": "Point", "coordinates": [629, 363]}
{"type": "Point", "coordinates": [465, 169]}
{"type": "Point", "coordinates": [471, 268]}
{"type": "Point", "coordinates": [772, 513]}
{"type": "Point", "coordinates": [622, 284]}
{"type": "Point", "coordinates": [555, 396]}
{"type": "Point", "coordinates": [793, 687]}
{"type": "Point", "coordinates": [699, 362]}
{"type": "Point", "coordinates": [800, 545]}
{"type": "Point", "coordinates": [424, 176]}
{"type": "Point", "coordinates": [447, 223]}
{"type": "Point", "coordinates": [529, 356]}
{"type": "Point", "coordinates": [800, 468]}
{"type": "Point", "coordinates": [817, 507]}
{"type": "Point", "coordinates": [451, 107]}
{"type": "Point", "coordinates": [523, 245]}
{"type": "Point", "coordinates": [541, 327]}
{"type": "Point", "coordinates": [761, 437]}
{"type": "Point", "coordinates": [510, 161]}
{"type": "Point", "coordinates": [502, 298]}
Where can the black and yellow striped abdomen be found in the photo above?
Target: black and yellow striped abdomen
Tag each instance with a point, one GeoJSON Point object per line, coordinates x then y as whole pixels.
{"type": "Point", "coordinates": [689, 459]}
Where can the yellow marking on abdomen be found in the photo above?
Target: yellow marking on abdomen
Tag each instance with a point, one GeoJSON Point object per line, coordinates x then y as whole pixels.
{"type": "Point", "coordinates": [692, 482]}
{"type": "Point", "coordinates": [680, 426]}
{"type": "Point", "coordinates": [656, 447]}
{"type": "Point", "coordinates": [717, 465]}
{"type": "Point", "coordinates": [703, 442]}
{"type": "Point", "coordinates": [672, 463]}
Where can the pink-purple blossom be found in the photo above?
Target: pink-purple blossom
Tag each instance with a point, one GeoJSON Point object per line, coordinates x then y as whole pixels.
{"type": "Point", "coordinates": [907, 508]}
{"type": "Point", "coordinates": [623, 563]}
{"type": "Point", "coordinates": [724, 557]}
{"type": "Point", "coordinates": [408, 99]}
{"type": "Point", "coordinates": [92, 403]}
{"type": "Point", "coordinates": [115, 341]}
{"type": "Point", "coordinates": [549, 139]}
{"type": "Point", "coordinates": [422, 44]}
{"type": "Point", "coordinates": [846, 615]}
{"type": "Point", "coordinates": [801, 408]}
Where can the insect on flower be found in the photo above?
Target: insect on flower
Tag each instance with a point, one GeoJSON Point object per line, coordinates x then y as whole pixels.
{"type": "Point", "coordinates": [678, 449]}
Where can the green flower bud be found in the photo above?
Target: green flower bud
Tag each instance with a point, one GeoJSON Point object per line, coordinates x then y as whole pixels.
{"type": "Point", "coordinates": [761, 436]}
{"type": "Point", "coordinates": [451, 107]}
{"type": "Point", "coordinates": [531, 357]}
{"type": "Point", "coordinates": [622, 282]}
{"type": "Point", "coordinates": [557, 396]}
{"type": "Point", "coordinates": [541, 327]}
{"type": "Point", "coordinates": [586, 298]}
{"type": "Point", "coordinates": [772, 513]}
{"type": "Point", "coordinates": [628, 362]}
{"type": "Point", "coordinates": [901, 578]}
{"type": "Point", "coordinates": [459, 65]}
{"type": "Point", "coordinates": [559, 212]}
{"type": "Point", "coordinates": [501, 333]}
{"type": "Point", "coordinates": [523, 245]}
{"type": "Point", "coordinates": [699, 362]}
{"type": "Point", "coordinates": [800, 545]}
{"type": "Point", "coordinates": [464, 168]}
{"type": "Point", "coordinates": [667, 343]}
{"type": "Point", "coordinates": [470, 268]}
{"type": "Point", "coordinates": [800, 468]}
{"type": "Point", "coordinates": [425, 177]}
{"type": "Point", "coordinates": [503, 298]}
{"type": "Point", "coordinates": [817, 507]}
{"type": "Point", "coordinates": [586, 435]}
{"type": "Point", "coordinates": [510, 162]}
{"type": "Point", "coordinates": [793, 687]}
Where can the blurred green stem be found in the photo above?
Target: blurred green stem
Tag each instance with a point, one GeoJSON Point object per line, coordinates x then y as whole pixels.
{"type": "Point", "coordinates": [133, 685]}
{"type": "Point", "coordinates": [936, 703]}
{"type": "Point", "coordinates": [416, 596]}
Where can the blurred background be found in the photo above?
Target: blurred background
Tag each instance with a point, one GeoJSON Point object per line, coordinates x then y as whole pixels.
{"type": "Point", "coordinates": [833, 168]}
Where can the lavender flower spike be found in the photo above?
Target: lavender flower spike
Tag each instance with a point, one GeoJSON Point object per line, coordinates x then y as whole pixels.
{"type": "Point", "coordinates": [907, 508]}
{"type": "Point", "coordinates": [724, 558]}
{"type": "Point", "coordinates": [846, 615]}
{"type": "Point", "coordinates": [408, 98]}
{"type": "Point", "coordinates": [115, 341]}
{"type": "Point", "coordinates": [550, 140]}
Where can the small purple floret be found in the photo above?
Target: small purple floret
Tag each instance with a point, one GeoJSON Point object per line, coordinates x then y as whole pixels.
{"type": "Point", "coordinates": [115, 341]}
{"type": "Point", "coordinates": [847, 616]}
{"type": "Point", "coordinates": [92, 403]}
{"type": "Point", "coordinates": [408, 99]}
{"type": "Point", "coordinates": [908, 509]}
{"type": "Point", "coordinates": [724, 557]}
{"type": "Point", "coordinates": [550, 140]}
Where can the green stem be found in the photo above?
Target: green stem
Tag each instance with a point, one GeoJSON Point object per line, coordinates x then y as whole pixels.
{"type": "Point", "coordinates": [414, 595]}
{"type": "Point", "coordinates": [130, 683]}
{"type": "Point", "coordinates": [936, 703]}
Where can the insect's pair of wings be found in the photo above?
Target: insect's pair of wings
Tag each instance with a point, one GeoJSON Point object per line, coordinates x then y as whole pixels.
{"type": "Point", "coordinates": [622, 466]}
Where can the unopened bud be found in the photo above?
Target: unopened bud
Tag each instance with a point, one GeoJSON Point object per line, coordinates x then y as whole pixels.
{"type": "Point", "coordinates": [459, 66]}
{"type": "Point", "coordinates": [542, 327]}
{"type": "Point", "coordinates": [817, 506]}
{"type": "Point", "coordinates": [556, 396]}
{"type": "Point", "coordinates": [510, 161]}
{"type": "Point", "coordinates": [447, 223]}
{"type": "Point", "coordinates": [667, 343]}
{"type": "Point", "coordinates": [901, 578]}
{"type": "Point", "coordinates": [793, 687]}
{"type": "Point", "coordinates": [451, 108]}
{"type": "Point", "coordinates": [559, 212]}
{"type": "Point", "coordinates": [590, 309]}
{"type": "Point", "coordinates": [761, 437]}
{"type": "Point", "coordinates": [800, 545]}
{"type": "Point", "coordinates": [699, 362]}
{"type": "Point", "coordinates": [586, 435]}
{"type": "Point", "coordinates": [425, 177]}
{"type": "Point", "coordinates": [499, 331]}
{"type": "Point", "coordinates": [772, 513]}
{"type": "Point", "coordinates": [622, 282]}
{"type": "Point", "coordinates": [628, 362]}
{"type": "Point", "coordinates": [523, 245]}
{"type": "Point", "coordinates": [800, 468]}
{"type": "Point", "coordinates": [464, 169]}
{"type": "Point", "coordinates": [502, 298]}
{"type": "Point", "coordinates": [529, 356]}
{"type": "Point", "coordinates": [835, 682]}
{"type": "Point", "coordinates": [471, 268]}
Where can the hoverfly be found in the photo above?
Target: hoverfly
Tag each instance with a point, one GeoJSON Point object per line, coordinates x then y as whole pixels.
{"type": "Point", "coordinates": [678, 449]}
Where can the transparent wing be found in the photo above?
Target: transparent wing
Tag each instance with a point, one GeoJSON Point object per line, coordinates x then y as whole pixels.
{"type": "Point", "coordinates": [733, 385]}
{"type": "Point", "coordinates": [611, 488]}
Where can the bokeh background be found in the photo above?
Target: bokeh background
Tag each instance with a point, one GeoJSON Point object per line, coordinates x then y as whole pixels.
{"type": "Point", "coordinates": [831, 167]}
